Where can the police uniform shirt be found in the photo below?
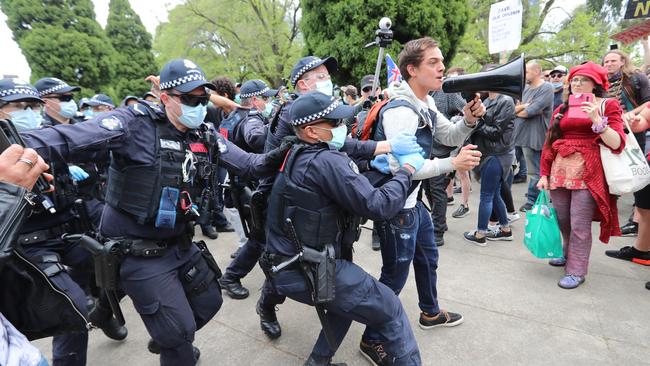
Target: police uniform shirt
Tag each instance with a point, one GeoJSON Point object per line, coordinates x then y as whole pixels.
{"type": "Point", "coordinates": [253, 130]}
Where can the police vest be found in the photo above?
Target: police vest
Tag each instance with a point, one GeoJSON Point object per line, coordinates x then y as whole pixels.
{"type": "Point", "coordinates": [232, 127]}
{"type": "Point", "coordinates": [426, 125]}
{"type": "Point", "coordinates": [317, 220]}
{"type": "Point", "coordinates": [182, 165]}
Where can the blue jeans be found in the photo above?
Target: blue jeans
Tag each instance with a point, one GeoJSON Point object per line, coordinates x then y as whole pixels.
{"type": "Point", "coordinates": [519, 155]}
{"type": "Point", "coordinates": [491, 180]}
{"type": "Point", "coordinates": [533, 158]}
{"type": "Point", "coordinates": [408, 237]}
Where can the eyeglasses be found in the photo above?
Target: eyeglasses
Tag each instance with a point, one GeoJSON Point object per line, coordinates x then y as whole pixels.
{"type": "Point", "coordinates": [556, 76]}
{"type": "Point", "coordinates": [62, 98]}
{"type": "Point", "coordinates": [546, 75]}
{"type": "Point", "coordinates": [192, 100]}
{"type": "Point", "coordinates": [22, 105]}
{"type": "Point", "coordinates": [318, 76]}
{"type": "Point", "coordinates": [577, 80]}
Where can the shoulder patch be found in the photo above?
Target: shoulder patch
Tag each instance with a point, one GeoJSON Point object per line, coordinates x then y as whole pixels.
{"type": "Point", "coordinates": [111, 123]}
{"type": "Point", "coordinates": [223, 148]}
{"type": "Point", "coordinates": [354, 167]}
{"type": "Point", "coordinates": [170, 145]}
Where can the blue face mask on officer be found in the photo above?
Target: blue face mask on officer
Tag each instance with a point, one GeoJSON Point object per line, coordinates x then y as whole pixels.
{"type": "Point", "coordinates": [338, 135]}
{"type": "Point", "coordinates": [25, 119]}
{"type": "Point", "coordinates": [191, 117]}
{"type": "Point", "coordinates": [268, 109]}
{"type": "Point", "coordinates": [68, 109]}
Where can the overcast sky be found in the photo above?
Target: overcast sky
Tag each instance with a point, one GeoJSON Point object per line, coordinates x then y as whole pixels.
{"type": "Point", "coordinates": [151, 12]}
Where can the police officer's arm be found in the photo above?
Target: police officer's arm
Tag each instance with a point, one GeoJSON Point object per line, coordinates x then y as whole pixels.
{"type": "Point", "coordinates": [81, 142]}
{"type": "Point", "coordinates": [255, 133]}
{"type": "Point", "coordinates": [338, 179]}
{"type": "Point", "coordinates": [249, 165]}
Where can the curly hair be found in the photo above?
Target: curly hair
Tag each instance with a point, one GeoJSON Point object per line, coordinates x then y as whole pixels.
{"type": "Point", "coordinates": [225, 87]}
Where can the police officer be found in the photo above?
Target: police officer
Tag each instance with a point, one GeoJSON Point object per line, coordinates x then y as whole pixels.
{"type": "Point", "coordinates": [312, 207]}
{"type": "Point", "coordinates": [101, 103]}
{"type": "Point", "coordinates": [161, 167]}
{"type": "Point", "coordinates": [129, 100]}
{"type": "Point", "coordinates": [60, 107]}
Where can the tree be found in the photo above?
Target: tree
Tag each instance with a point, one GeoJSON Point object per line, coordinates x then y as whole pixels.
{"type": "Point", "coordinates": [581, 36]}
{"type": "Point", "coordinates": [252, 39]}
{"type": "Point", "coordinates": [342, 28]}
{"type": "Point", "coordinates": [134, 60]}
{"type": "Point", "coordinates": [62, 39]}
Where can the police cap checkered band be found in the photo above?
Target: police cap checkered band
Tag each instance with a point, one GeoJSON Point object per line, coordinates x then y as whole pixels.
{"type": "Point", "coordinates": [46, 86]}
{"type": "Point", "coordinates": [311, 62]}
{"type": "Point", "coordinates": [255, 93]}
{"type": "Point", "coordinates": [54, 89]}
{"type": "Point", "coordinates": [182, 80]}
{"type": "Point", "coordinates": [304, 69]}
{"type": "Point", "coordinates": [316, 116]}
{"type": "Point", "coordinates": [19, 90]}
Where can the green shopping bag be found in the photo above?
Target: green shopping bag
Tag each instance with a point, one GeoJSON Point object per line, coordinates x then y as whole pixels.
{"type": "Point", "coordinates": [543, 237]}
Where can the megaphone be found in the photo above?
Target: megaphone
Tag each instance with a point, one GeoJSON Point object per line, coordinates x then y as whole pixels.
{"type": "Point", "coordinates": [508, 79]}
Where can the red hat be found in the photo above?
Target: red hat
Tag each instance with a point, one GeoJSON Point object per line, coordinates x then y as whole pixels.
{"type": "Point", "coordinates": [594, 71]}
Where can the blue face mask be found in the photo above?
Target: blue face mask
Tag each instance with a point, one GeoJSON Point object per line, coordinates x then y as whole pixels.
{"type": "Point", "coordinates": [25, 119]}
{"type": "Point", "coordinates": [89, 113]}
{"type": "Point", "coordinates": [557, 84]}
{"type": "Point", "coordinates": [338, 136]}
{"type": "Point", "coordinates": [68, 109]}
{"type": "Point", "coordinates": [237, 99]}
{"type": "Point", "coordinates": [192, 117]}
{"type": "Point", "coordinates": [268, 110]}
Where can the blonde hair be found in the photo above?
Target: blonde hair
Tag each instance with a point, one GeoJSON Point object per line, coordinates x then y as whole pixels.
{"type": "Point", "coordinates": [628, 69]}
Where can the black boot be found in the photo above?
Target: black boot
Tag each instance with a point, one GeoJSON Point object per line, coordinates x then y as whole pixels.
{"type": "Point", "coordinates": [233, 288]}
{"type": "Point", "coordinates": [103, 318]}
{"type": "Point", "coordinates": [154, 348]}
{"type": "Point", "coordinates": [268, 321]}
{"type": "Point", "coordinates": [319, 361]}
{"type": "Point", "coordinates": [226, 229]}
{"type": "Point", "coordinates": [209, 231]}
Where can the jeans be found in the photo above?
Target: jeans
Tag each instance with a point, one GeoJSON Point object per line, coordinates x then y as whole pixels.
{"type": "Point", "coordinates": [519, 155]}
{"type": "Point", "coordinates": [491, 181]}
{"type": "Point", "coordinates": [435, 190]}
{"type": "Point", "coordinates": [533, 158]}
{"type": "Point", "coordinates": [408, 237]}
{"type": "Point", "coordinates": [506, 196]}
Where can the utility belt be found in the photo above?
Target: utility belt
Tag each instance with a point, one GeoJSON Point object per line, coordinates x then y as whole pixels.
{"type": "Point", "coordinates": [318, 267]}
{"type": "Point", "coordinates": [40, 236]}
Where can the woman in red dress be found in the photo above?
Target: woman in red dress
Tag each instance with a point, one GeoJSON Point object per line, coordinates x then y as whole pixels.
{"type": "Point", "coordinates": [572, 170]}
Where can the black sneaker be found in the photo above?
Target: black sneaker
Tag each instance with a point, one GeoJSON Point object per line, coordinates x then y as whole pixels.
{"type": "Point", "coordinates": [209, 231]}
{"type": "Point", "coordinates": [233, 288]}
{"type": "Point", "coordinates": [450, 201]}
{"type": "Point", "coordinates": [526, 207]}
{"type": "Point", "coordinates": [225, 229]}
{"type": "Point", "coordinates": [375, 353]}
{"type": "Point", "coordinates": [471, 237]}
{"type": "Point", "coordinates": [461, 211]}
{"type": "Point", "coordinates": [442, 319]}
{"type": "Point", "coordinates": [630, 254]}
{"type": "Point", "coordinates": [439, 240]}
{"type": "Point", "coordinates": [630, 229]}
{"type": "Point", "coordinates": [499, 235]}
{"type": "Point", "coordinates": [519, 179]}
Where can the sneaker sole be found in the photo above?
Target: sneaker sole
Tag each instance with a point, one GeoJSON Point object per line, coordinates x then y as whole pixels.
{"type": "Point", "coordinates": [501, 238]}
{"type": "Point", "coordinates": [443, 325]}
{"type": "Point", "coordinates": [482, 245]}
{"type": "Point", "coordinates": [643, 262]}
{"type": "Point", "coordinates": [372, 362]}
{"type": "Point", "coordinates": [571, 288]}
{"type": "Point", "coordinates": [459, 216]}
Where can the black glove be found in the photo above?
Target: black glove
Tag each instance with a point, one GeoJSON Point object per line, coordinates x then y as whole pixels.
{"type": "Point", "coordinates": [276, 156]}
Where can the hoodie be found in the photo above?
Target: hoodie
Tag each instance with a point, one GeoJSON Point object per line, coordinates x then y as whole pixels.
{"type": "Point", "coordinates": [399, 119]}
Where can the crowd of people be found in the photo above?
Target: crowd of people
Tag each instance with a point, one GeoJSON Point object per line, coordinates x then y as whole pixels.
{"type": "Point", "coordinates": [290, 172]}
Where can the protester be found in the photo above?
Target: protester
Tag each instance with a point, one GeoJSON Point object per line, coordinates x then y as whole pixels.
{"type": "Point", "coordinates": [571, 168]}
{"type": "Point", "coordinates": [557, 79]}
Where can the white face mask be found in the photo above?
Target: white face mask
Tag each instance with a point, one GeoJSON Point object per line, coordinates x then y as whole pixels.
{"type": "Point", "coordinates": [326, 87]}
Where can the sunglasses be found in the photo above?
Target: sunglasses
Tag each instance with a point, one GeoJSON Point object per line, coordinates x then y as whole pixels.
{"type": "Point", "coordinates": [556, 76]}
{"type": "Point", "coordinates": [62, 98]}
{"type": "Point", "coordinates": [192, 100]}
{"type": "Point", "coordinates": [546, 75]}
{"type": "Point", "coordinates": [367, 89]}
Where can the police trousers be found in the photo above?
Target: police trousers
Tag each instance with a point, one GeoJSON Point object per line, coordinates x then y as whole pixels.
{"type": "Point", "coordinates": [175, 294]}
{"type": "Point", "coordinates": [50, 256]}
{"type": "Point", "coordinates": [361, 298]}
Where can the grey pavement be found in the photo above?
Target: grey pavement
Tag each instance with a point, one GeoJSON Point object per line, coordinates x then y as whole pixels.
{"type": "Point", "coordinates": [515, 314]}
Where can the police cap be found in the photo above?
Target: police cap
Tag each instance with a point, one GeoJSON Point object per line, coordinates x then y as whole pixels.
{"type": "Point", "coordinates": [46, 86]}
{"type": "Point", "coordinates": [101, 99]}
{"type": "Point", "coordinates": [309, 63]}
{"type": "Point", "coordinates": [316, 105]}
{"type": "Point", "coordinates": [254, 88]}
{"type": "Point", "coordinates": [14, 90]}
{"type": "Point", "coordinates": [183, 75]}
{"type": "Point", "coordinates": [83, 102]}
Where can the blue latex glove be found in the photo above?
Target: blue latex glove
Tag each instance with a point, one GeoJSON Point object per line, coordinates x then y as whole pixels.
{"type": "Point", "coordinates": [77, 173]}
{"type": "Point", "coordinates": [415, 160]}
{"type": "Point", "coordinates": [380, 162]}
{"type": "Point", "coordinates": [404, 144]}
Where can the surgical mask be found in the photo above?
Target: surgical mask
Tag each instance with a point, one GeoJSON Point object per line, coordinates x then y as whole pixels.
{"type": "Point", "coordinates": [68, 109]}
{"type": "Point", "coordinates": [237, 98]}
{"type": "Point", "coordinates": [557, 84]}
{"type": "Point", "coordinates": [338, 136]}
{"type": "Point", "coordinates": [192, 117]}
{"type": "Point", "coordinates": [89, 113]}
{"type": "Point", "coordinates": [326, 87]}
{"type": "Point", "coordinates": [268, 110]}
{"type": "Point", "coordinates": [25, 119]}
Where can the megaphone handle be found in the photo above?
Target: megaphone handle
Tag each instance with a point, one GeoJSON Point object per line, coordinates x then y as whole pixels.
{"type": "Point", "coordinates": [377, 69]}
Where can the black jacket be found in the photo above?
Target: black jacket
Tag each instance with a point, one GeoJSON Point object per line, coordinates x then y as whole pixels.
{"type": "Point", "coordinates": [494, 136]}
{"type": "Point", "coordinates": [28, 299]}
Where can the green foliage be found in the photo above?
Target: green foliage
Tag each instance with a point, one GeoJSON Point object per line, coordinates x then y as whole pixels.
{"type": "Point", "coordinates": [61, 38]}
{"type": "Point", "coordinates": [242, 39]}
{"type": "Point", "coordinates": [583, 36]}
{"type": "Point", "coordinates": [342, 28]}
{"type": "Point", "coordinates": [134, 60]}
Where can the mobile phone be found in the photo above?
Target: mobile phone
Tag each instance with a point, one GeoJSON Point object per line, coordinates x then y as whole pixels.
{"type": "Point", "coordinates": [575, 102]}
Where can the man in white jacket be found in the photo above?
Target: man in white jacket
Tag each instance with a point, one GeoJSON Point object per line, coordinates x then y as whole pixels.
{"type": "Point", "coordinates": [408, 237]}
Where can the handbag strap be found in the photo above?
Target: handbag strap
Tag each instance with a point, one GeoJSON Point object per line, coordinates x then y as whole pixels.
{"type": "Point", "coordinates": [602, 114]}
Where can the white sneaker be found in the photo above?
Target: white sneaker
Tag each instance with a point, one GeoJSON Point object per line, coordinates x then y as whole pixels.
{"type": "Point", "coordinates": [513, 217]}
